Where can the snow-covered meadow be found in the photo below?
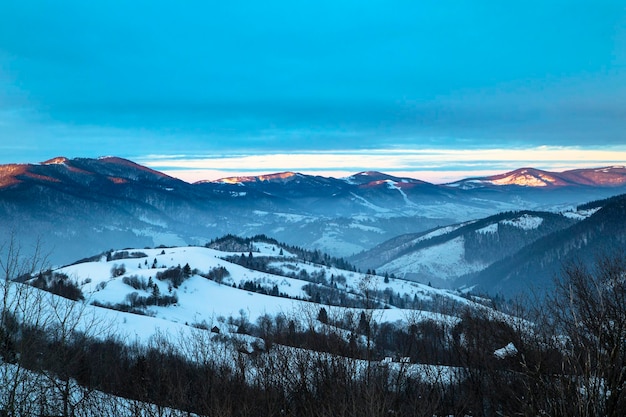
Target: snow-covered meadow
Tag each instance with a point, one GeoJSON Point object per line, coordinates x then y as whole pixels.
{"type": "Point", "coordinates": [201, 300]}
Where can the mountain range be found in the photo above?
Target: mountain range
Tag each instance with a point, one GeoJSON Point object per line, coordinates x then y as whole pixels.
{"type": "Point", "coordinates": [77, 207]}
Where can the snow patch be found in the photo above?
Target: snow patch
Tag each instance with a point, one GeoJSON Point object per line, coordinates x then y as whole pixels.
{"type": "Point", "coordinates": [508, 350]}
{"type": "Point", "coordinates": [370, 205]}
{"type": "Point", "coordinates": [525, 222]}
{"type": "Point", "coordinates": [161, 238]}
{"type": "Point", "coordinates": [336, 245]}
{"type": "Point", "coordinates": [366, 228]}
{"type": "Point", "coordinates": [524, 179]}
{"type": "Point", "coordinates": [153, 222]}
{"type": "Point", "coordinates": [492, 228]}
{"type": "Point", "coordinates": [392, 185]}
{"type": "Point", "coordinates": [580, 214]}
{"type": "Point", "coordinates": [288, 217]}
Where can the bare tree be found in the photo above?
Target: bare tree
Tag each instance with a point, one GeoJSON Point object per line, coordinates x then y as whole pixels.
{"type": "Point", "coordinates": [20, 305]}
{"type": "Point", "coordinates": [589, 310]}
{"type": "Point", "coordinates": [43, 340]}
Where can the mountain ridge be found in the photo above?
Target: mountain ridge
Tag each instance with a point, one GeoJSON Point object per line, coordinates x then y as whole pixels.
{"type": "Point", "coordinates": [444, 254]}
{"type": "Point", "coordinates": [534, 267]}
{"type": "Point", "coordinates": [608, 176]}
{"type": "Point", "coordinates": [83, 205]}
{"type": "Point", "coordinates": [526, 176]}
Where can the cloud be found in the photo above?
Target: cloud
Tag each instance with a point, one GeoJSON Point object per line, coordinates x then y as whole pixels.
{"type": "Point", "coordinates": [127, 78]}
{"type": "Point", "coordinates": [437, 165]}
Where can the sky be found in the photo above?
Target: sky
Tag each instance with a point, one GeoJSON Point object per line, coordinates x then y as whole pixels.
{"type": "Point", "coordinates": [432, 89]}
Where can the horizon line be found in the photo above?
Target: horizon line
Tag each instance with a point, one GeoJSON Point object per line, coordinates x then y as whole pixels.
{"type": "Point", "coordinates": [434, 166]}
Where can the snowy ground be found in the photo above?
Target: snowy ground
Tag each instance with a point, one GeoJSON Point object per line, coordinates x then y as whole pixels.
{"type": "Point", "coordinates": [207, 302]}
{"type": "Point", "coordinates": [446, 260]}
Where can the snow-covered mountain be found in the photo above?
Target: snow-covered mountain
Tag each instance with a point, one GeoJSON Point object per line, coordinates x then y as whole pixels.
{"type": "Point", "coordinates": [599, 233]}
{"type": "Point", "coordinates": [509, 253]}
{"type": "Point", "coordinates": [442, 255]}
{"type": "Point", "coordinates": [75, 207]}
{"type": "Point", "coordinates": [614, 176]}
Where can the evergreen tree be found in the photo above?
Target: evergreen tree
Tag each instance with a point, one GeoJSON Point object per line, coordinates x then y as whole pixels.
{"type": "Point", "coordinates": [364, 325]}
{"type": "Point", "coordinates": [156, 293]}
{"type": "Point", "coordinates": [322, 316]}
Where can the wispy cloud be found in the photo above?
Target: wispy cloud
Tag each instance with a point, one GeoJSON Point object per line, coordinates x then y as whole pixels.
{"type": "Point", "coordinates": [437, 165]}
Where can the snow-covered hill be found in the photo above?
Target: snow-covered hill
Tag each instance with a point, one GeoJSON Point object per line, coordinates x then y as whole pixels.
{"type": "Point", "coordinates": [246, 314]}
{"type": "Point", "coordinates": [599, 232]}
{"type": "Point", "coordinates": [444, 254]}
{"type": "Point", "coordinates": [241, 292]}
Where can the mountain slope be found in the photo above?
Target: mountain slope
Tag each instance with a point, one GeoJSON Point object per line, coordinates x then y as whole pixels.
{"type": "Point", "coordinates": [535, 266]}
{"type": "Point", "coordinates": [442, 255]}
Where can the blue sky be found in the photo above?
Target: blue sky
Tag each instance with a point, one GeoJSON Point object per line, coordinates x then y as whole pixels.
{"type": "Point", "coordinates": [207, 88]}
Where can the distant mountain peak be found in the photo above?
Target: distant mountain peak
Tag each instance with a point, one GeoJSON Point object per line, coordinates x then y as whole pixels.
{"type": "Point", "coordinates": [56, 161]}
{"type": "Point", "coordinates": [611, 176]}
{"type": "Point", "coordinates": [372, 173]}
{"type": "Point", "coordinates": [374, 178]}
{"type": "Point", "coordinates": [116, 160]}
{"type": "Point", "coordinates": [70, 172]}
{"type": "Point", "coordinates": [9, 173]}
{"type": "Point", "coordinates": [126, 164]}
{"type": "Point", "coordinates": [532, 177]}
{"type": "Point", "coordinates": [526, 177]}
{"type": "Point", "coordinates": [277, 177]}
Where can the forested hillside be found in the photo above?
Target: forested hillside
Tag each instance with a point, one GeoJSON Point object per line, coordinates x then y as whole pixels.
{"type": "Point", "coordinates": [535, 266]}
{"type": "Point", "coordinates": [443, 255]}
